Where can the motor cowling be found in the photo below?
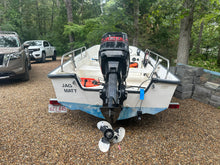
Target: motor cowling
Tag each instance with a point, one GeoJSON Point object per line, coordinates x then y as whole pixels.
{"type": "Point", "coordinates": [114, 59]}
{"type": "Point", "coordinates": [114, 55]}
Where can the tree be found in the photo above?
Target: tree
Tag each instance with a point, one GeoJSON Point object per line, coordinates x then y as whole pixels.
{"type": "Point", "coordinates": [74, 23]}
{"type": "Point", "coordinates": [68, 4]}
{"type": "Point", "coordinates": [185, 32]}
{"type": "Point", "coordinates": [39, 17]}
{"type": "Point", "coordinates": [159, 26]}
{"type": "Point", "coordinates": [203, 16]}
{"type": "Point", "coordinates": [136, 26]}
{"type": "Point", "coordinates": [199, 37]}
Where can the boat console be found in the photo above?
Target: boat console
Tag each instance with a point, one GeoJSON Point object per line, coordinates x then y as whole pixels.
{"type": "Point", "coordinates": [114, 59]}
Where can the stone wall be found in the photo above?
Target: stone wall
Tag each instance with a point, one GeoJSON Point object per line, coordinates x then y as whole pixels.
{"type": "Point", "coordinates": [198, 84]}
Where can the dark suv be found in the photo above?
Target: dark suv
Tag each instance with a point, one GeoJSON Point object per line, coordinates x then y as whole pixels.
{"type": "Point", "coordinates": [14, 57]}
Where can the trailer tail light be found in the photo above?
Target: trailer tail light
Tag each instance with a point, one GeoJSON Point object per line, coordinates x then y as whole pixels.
{"type": "Point", "coordinates": [54, 102]}
{"type": "Point", "coordinates": [174, 105]}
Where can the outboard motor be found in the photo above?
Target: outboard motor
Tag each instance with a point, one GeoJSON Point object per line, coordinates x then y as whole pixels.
{"type": "Point", "coordinates": [114, 59]}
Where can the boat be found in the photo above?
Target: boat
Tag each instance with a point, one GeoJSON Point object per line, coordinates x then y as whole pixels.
{"type": "Point", "coordinates": [113, 80]}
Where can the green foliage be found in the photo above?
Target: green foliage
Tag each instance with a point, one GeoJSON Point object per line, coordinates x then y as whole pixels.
{"type": "Point", "coordinates": [160, 27]}
{"type": "Point", "coordinates": [159, 22]}
{"type": "Point", "coordinates": [202, 61]}
{"type": "Point", "coordinates": [208, 12]}
{"type": "Point", "coordinates": [89, 33]}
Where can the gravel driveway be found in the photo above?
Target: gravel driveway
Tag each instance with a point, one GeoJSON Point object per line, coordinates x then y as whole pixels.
{"type": "Point", "coordinates": [30, 135]}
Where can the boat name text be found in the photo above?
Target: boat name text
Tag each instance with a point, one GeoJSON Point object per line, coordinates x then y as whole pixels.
{"type": "Point", "coordinates": [68, 88]}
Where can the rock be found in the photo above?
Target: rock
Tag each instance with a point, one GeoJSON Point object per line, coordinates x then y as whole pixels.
{"type": "Point", "coordinates": [216, 92]}
{"type": "Point", "coordinates": [202, 94]}
{"type": "Point", "coordinates": [187, 70]}
{"type": "Point", "coordinates": [197, 84]}
{"type": "Point", "coordinates": [214, 103]}
{"type": "Point", "coordinates": [201, 91]}
{"type": "Point", "coordinates": [185, 87]}
{"type": "Point", "coordinates": [181, 72]}
{"type": "Point", "coordinates": [186, 80]}
{"type": "Point", "coordinates": [212, 85]}
{"type": "Point", "coordinates": [196, 80]}
{"type": "Point", "coordinates": [201, 99]}
{"type": "Point", "coordinates": [183, 95]}
{"type": "Point", "coordinates": [199, 72]}
{"type": "Point", "coordinates": [215, 98]}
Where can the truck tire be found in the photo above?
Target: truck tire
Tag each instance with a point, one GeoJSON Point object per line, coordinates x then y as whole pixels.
{"type": "Point", "coordinates": [43, 59]}
{"type": "Point", "coordinates": [29, 65]}
{"type": "Point", "coordinates": [54, 57]}
{"type": "Point", "coordinates": [26, 76]}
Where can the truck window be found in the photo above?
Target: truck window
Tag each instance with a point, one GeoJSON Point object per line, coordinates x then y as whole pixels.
{"type": "Point", "coordinates": [46, 44]}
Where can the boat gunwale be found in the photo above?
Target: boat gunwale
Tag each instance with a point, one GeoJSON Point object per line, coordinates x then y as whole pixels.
{"type": "Point", "coordinates": [178, 81]}
{"type": "Point", "coordinates": [74, 75]}
{"type": "Point", "coordinates": [153, 80]}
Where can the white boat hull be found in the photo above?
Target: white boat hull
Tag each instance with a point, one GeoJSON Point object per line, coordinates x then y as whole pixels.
{"type": "Point", "coordinates": [70, 94]}
{"type": "Point", "coordinates": [69, 91]}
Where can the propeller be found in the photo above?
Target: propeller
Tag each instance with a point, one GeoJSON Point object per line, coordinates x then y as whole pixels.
{"type": "Point", "coordinates": [110, 136]}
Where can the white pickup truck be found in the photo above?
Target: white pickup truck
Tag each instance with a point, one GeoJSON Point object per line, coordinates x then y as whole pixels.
{"type": "Point", "coordinates": [39, 50]}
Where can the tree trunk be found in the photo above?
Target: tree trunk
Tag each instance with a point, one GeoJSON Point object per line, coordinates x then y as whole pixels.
{"type": "Point", "coordinates": [3, 18]}
{"type": "Point", "coordinates": [21, 15]}
{"type": "Point", "coordinates": [58, 3]}
{"type": "Point", "coordinates": [185, 33]}
{"type": "Point", "coordinates": [136, 27]}
{"type": "Point", "coordinates": [38, 18]}
{"type": "Point", "coordinates": [52, 15]}
{"type": "Point", "coordinates": [69, 9]}
{"type": "Point", "coordinates": [80, 12]}
{"type": "Point", "coordinates": [68, 4]}
{"type": "Point", "coordinates": [101, 7]}
{"type": "Point", "coordinates": [199, 38]}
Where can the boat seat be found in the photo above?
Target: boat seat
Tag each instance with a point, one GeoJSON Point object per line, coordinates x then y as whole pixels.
{"type": "Point", "coordinates": [138, 72]}
{"type": "Point", "coordinates": [136, 78]}
{"type": "Point", "coordinates": [89, 68]}
{"type": "Point", "coordinates": [89, 71]}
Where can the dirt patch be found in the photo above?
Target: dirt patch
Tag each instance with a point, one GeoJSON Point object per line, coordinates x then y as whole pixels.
{"type": "Point", "coordinates": [30, 135]}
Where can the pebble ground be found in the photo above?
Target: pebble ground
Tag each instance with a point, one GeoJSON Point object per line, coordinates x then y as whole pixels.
{"type": "Point", "coordinates": [30, 135]}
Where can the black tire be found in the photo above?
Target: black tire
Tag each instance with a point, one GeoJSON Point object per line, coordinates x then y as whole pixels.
{"type": "Point", "coordinates": [43, 59]}
{"type": "Point", "coordinates": [26, 76]}
{"type": "Point", "coordinates": [54, 57]}
{"type": "Point", "coordinates": [29, 66]}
